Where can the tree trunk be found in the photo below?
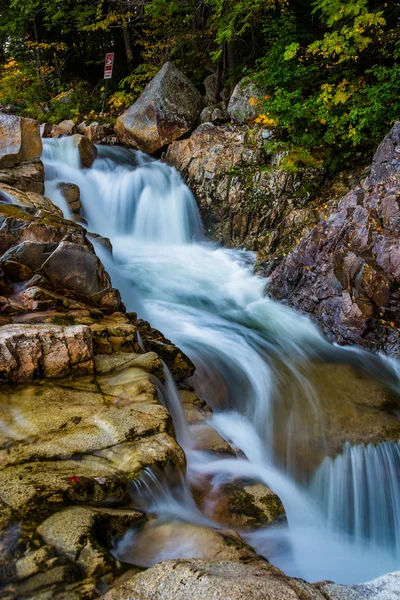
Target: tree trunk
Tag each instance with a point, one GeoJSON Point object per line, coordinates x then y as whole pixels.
{"type": "Point", "coordinates": [220, 74]}
{"type": "Point", "coordinates": [38, 59]}
{"type": "Point", "coordinates": [127, 42]}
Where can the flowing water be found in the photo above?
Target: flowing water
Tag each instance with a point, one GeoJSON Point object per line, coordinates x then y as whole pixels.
{"type": "Point", "coordinates": [257, 365]}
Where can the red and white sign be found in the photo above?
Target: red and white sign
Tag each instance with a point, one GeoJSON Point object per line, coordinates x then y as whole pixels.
{"type": "Point", "coordinates": [108, 65]}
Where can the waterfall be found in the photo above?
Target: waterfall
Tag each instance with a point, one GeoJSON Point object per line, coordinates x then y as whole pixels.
{"type": "Point", "coordinates": [254, 366]}
{"type": "Point", "coordinates": [353, 488]}
{"type": "Point", "coordinates": [125, 193]}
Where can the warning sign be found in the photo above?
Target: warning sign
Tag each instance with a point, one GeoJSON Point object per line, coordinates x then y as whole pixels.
{"type": "Point", "coordinates": [108, 65]}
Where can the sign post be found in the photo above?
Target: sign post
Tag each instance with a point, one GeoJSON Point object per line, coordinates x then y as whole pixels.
{"type": "Point", "coordinates": [108, 69]}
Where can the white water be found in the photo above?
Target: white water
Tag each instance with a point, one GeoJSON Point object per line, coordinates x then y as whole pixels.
{"type": "Point", "coordinates": [245, 347]}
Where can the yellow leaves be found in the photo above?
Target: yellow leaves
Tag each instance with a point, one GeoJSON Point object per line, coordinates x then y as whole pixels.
{"type": "Point", "coordinates": [11, 64]}
{"type": "Point", "coordinates": [266, 121]}
{"type": "Point", "coordinates": [340, 97]}
{"type": "Point", "coordinates": [253, 101]}
{"type": "Point", "coordinates": [323, 121]}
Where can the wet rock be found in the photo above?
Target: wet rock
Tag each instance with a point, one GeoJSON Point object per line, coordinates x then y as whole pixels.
{"type": "Point", "coordinates": [242, 106]}
{"type": "Point", "coordinates": [87, 151]}
{"type": "Point", "coordinates": [157, 541]}
{"type": "Point", "coordinates": [346, 271]}
{"type": "Point", "coordinates": [6, 286]}
{"type": "Point", "coordinates": [67, 127]}
{"type": "Point", "coordinates": [242, 505]}
{"type": "Point", "coordinates": [29, 351]}
{"type": "Point", "coordinates": [110, 337]}
{"type": "Point", "coordinates": [209, 440]}
{"type": "Point", "coordinates": [46, 130]}
{"type": "Point", "coordinates": [75, 267]}
{"type": "Point", "coordinates": [167, 109]}
{"type": "Point", "coordinates": [34, 562]}
{"type": "Point", "coordinates": [214, 580]}
{"type": "Point", "coordinates": [20, 141]}
{"type": "Point", "coordinates": [178, 363]}
{"type": "Point", "coordinates": [81, 127]}
{"type": "Point", "coordinates": [20, 261]}
{"type": "Point", "coordinates": [25, 176]}
{"type": "Point", "coordinates": [196, 409]}
{"type": "Point", "coordinates": [101, 240]}
{"type": "Point", "coordinates": [29, 199]}
{"type": "Point", "coordinates": [72, 195]}
{"type": "Point", "coordinates": [118, 361]}
{"type": "Point", "coordinates": [97, 436]}
{"type": "Point", "coordinates": [82, 534]}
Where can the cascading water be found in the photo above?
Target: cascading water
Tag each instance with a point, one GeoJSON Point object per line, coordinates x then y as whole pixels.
{"type": "Point", "coordinates": [254, 362]}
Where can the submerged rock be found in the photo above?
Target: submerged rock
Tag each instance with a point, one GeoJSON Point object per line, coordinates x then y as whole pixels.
{"type": "Point", "coordinates": [346, 271]}
{"type": "Point", "coordinates": [72, 195]}
{"type": "Point", "coordinates": [167, 109]}
{"type": "Point", "coordinates": [87, 151]}
{"type": "Point", "coordinates": [158, 541]}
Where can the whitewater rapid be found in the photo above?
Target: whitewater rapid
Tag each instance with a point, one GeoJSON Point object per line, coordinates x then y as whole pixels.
{"type": "Point", "coordinates": [245, 347]}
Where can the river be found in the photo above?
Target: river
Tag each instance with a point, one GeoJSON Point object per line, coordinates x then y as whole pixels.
{"type": "Point", "coordinates": [254, 358]}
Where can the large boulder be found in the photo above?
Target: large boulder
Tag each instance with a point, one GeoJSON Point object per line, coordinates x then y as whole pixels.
{"type": "Point", "coordinates": [20, 140]}
{"type": "Point", "coordinates": [167, 109]}
{"type": "Point", "coordinates": [20, 151]}
{"type": "Point", "coordinates": [243, 104]}
{"type": "Point", "coordinates": [346, 271]}
{"type": "Point", "coordinates": [245, 195]}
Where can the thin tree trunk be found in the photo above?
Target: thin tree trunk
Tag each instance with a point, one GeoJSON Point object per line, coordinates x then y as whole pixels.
{"type": "Point", "coordinates": [38, 59]}
{"type": "Point", "coordinates": [127, 42]}
{"type": "Point", "coordinates": [220, 74]}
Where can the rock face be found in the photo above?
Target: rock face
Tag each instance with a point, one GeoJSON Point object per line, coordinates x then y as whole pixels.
{"type": "Point", "coordinates": [20, 151]}
{"type": "Point", "coordinates": [242, 106]}
{"type": "Point", "coordinates": [245, 197]}
{"type": "Point", "coordinates": [48, 350]}
{"type": "Point", "coordinates": [346, 271]}
{"type": "Point", "coordinates": [167, 109]}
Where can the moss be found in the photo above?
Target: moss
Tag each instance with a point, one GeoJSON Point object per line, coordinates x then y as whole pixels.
{"type": "Point", "coordinates": [63, 320]}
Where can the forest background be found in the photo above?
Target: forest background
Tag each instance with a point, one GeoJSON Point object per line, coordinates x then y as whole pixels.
{"type": "Point", "coordinates": [329, 70]}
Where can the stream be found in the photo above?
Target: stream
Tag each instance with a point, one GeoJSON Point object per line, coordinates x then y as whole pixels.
{"type": "Point", "coordinates": [255, 360]}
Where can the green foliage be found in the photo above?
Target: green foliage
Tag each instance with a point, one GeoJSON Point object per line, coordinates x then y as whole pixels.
{"type": "Point", "coordinates": [330, 68]}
